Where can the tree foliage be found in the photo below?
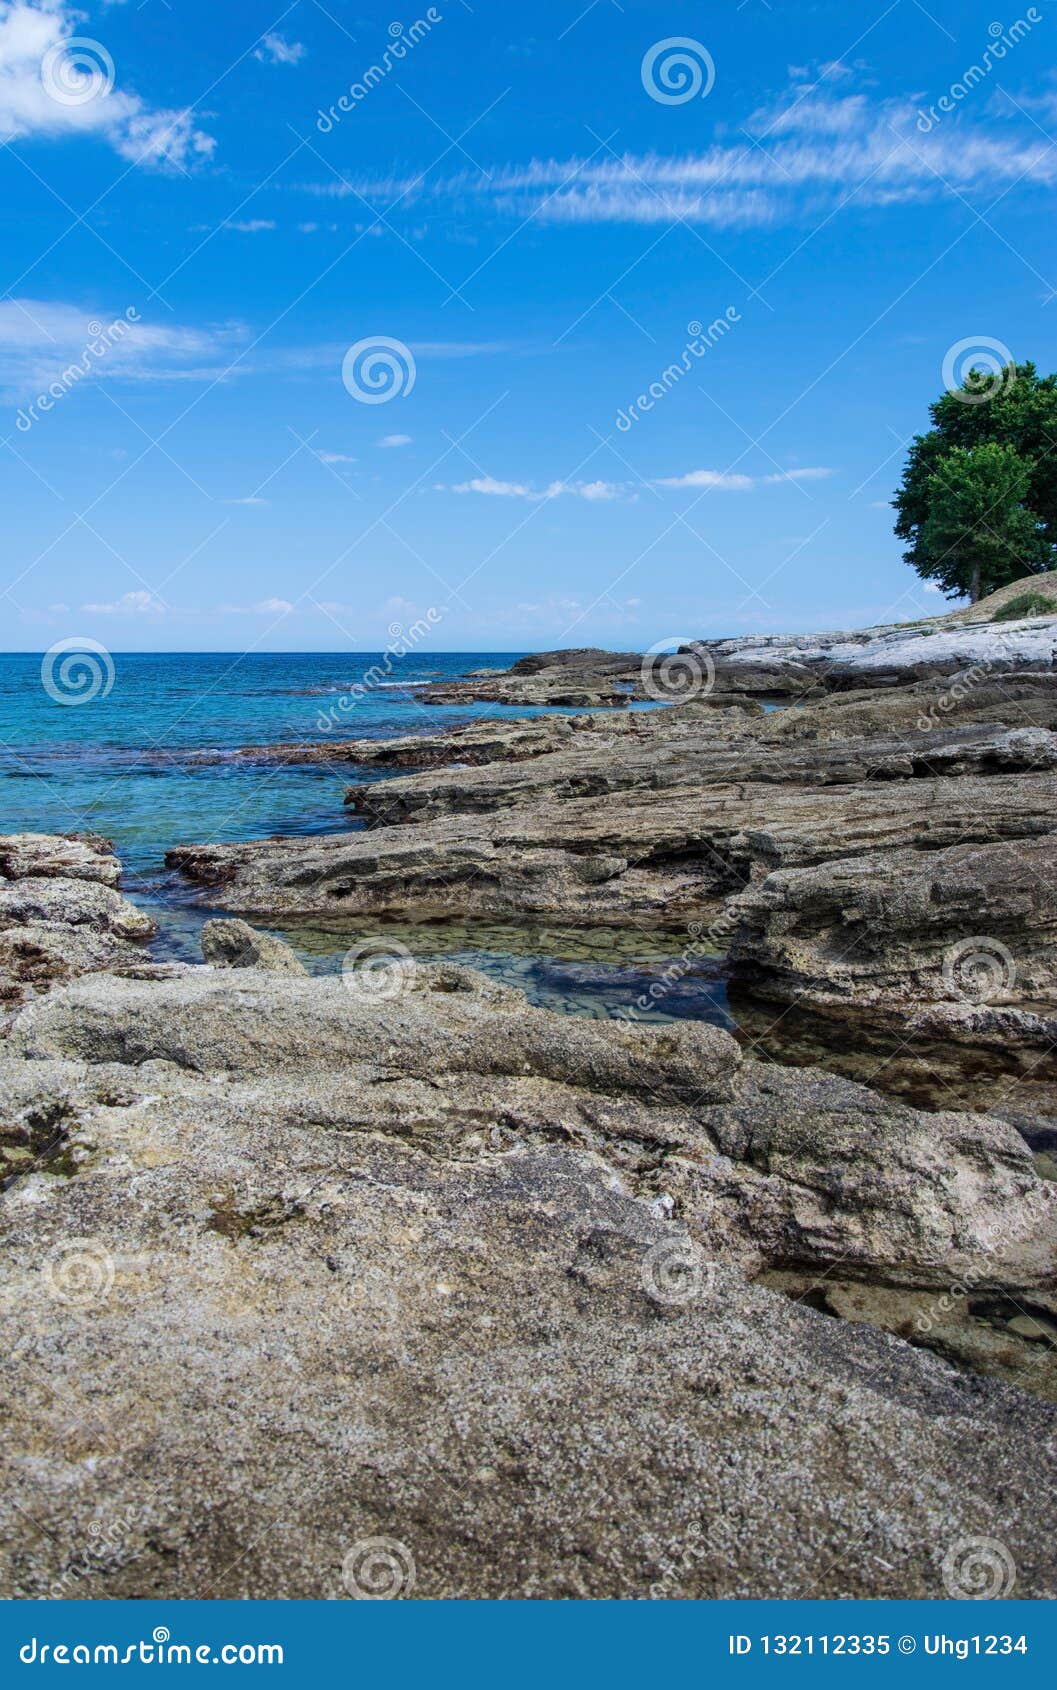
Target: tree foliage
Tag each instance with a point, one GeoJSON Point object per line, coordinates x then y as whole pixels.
{"type": "Point", "coordinates": [1016, 411]}
{"type": "Point", "coordinates": [980, 532]}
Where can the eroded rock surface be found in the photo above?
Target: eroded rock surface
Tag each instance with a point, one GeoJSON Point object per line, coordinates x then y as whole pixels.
{"type": "Point", "coordinates": [906, 928]}
{"type": "Point", "coordinates": [853, 854]}
{"type": "Point", "coordinates": [60, 914]}
{"type": "Point", "coordinates": [234, 944]}
{"type": "Point", "coordinates": [448, 1270]}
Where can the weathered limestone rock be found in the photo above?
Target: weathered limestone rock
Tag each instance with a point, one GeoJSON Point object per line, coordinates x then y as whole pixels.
{"type": "Point", "coordinates": [60, 914]}
{"type": "Point", "coordinates": [71, 903]}
{"type": "Point", "coordinates": [672, 855]}
{"type": "Point", "coordinates": [887, 655]}
{"type": "Point", "coordinates": [590, 658]}
{"type": "Point", "coordinates": [65, 856]}
{"type": "Point", "coordinates": [769, 1167]}
{"type": "Point", "coordinates": [234, 944]}
{"type": "Point", "coordinates": [688, 754]}
{"type": "Point", "coordinates": [441, 1024]}
{"type": "Point", "coordinates": [843, 1176]}
{"type": "Point", "coordinates": [425, 1288]}
{"type": "Point", "coordinates": [974, 923]}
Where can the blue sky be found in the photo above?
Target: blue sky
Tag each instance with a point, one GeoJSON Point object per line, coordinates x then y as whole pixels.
{"type": "Point", "coordinates": [854, 194]}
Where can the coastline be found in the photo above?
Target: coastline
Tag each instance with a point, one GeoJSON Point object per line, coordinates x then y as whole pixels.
{"type": "Point", "coordinates": [672, 1205]}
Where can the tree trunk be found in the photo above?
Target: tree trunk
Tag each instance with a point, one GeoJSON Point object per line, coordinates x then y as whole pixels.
{"type": "Point", "coordinates": [974, 585]}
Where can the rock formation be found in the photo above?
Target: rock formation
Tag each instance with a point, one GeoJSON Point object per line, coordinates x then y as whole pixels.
{"type": "Point", "coordinates": [446, 1270]}
{"type": "Point", "coordinates": [555, 1306]}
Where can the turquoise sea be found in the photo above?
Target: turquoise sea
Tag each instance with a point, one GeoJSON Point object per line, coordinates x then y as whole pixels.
{"type": "Point", "coordinates": [145, 759]}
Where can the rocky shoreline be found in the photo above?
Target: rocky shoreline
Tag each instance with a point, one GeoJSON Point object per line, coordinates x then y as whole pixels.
{"type": "Point", "coordinates": [560, 1307]}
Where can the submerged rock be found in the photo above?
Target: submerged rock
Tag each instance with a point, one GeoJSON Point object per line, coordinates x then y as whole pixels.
{"type": "Point", "coordinates": [234, 944]}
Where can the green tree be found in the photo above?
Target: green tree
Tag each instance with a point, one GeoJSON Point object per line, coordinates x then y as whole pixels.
{"type": "Point", "coordinates": [1017, 408]}
{"type": "Point", "coordinates": [980, 531]}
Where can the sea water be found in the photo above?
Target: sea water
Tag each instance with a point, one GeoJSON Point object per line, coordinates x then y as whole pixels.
{"type": "Point", "coordinates": [148, 760]}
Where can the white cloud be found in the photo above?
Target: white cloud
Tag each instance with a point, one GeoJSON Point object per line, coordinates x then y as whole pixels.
{"type": "Point", "coordinates": [401, 607]}
{"type": "Point", "coordinates": [498, 489]}
{"type": "Point", "coordinates": [706, 478]}
{"type": "Point", "coordinates": [801, 157]}
{"type": "Point", "coordinates": [273, 607]}
{"type": "Point", "coordinates": [42, 341]}
{"type": "Point", "coordinates": [395, 440]}
{"type": "Point", "coordinates": [132, 604]}
{"type": "Point", "coordinates": [592, 491]}
{"type": "Point", "coordinates": [735, 483]}
{"type": "Point", "coordinates": [327, 355]}
{"type": "Point", "coordinates": [252, 225]}
{"type": "Point", "coordinates": [456, 348]}
{"type": "Point", "coordinates": [51, 90]}
{"type": "Point", "coordinates": [335, 458]}
{"type": "Point", "coordinates": [251, 499]}
{"type": "Point", "coordinates": [808, 474]}
{"type": "Point", "coordinates": [274, 50]}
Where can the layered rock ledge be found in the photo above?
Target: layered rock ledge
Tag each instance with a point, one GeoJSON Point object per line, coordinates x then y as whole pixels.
{"type": "Point", "coordinates": [852, 855]}
{"type": "Point", "coordinates": [60, 912]}
{"type": "Point", "coordinates": [448, 1270]}
{"type": "Point", "coordinates": [546, 1302]}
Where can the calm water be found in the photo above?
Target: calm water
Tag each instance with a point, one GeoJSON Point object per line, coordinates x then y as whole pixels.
{"type": "Point", "coordinates": [134, 764]}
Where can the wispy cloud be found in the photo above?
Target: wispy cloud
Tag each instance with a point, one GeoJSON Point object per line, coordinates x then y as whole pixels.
{"type": "Point", "coordinates": [54, 84]}
{"type": "Point", "coordinates": [732, 482]}
{"type": "Point", "coordinates": [395, 440]}
{"type": "Point", "coordinates": [799, 156]}
{"type": "Point", "coordinates": [810, 473]}
{"type": "Point", "coordinates": [131, 604]}
{"type": "Point", "coordinates": [40, 339]}
{"type": "Point", "coordinates": [328, 355]}
{"type": "Point", "coordinates": [706, 478]}
{"type": "Point", "coordinates": [276, 50]}
{"type": "Point", "coordinates": [592, 491]}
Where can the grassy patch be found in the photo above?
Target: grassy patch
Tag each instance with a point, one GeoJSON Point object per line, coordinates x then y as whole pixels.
{"type": "Point", "coordinates": [1028, 604]}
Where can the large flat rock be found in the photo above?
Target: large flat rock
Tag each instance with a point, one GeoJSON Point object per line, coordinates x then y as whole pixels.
{"type": "Point", "coordinates": [327, 1267]}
